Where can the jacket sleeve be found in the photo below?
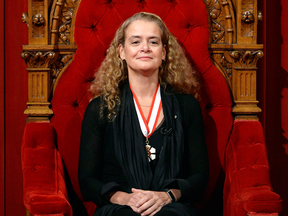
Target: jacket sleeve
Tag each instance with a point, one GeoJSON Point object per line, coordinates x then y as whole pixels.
{"type": "Point", "coordinates": [91, 157]}
{"type": "Point", "coordinates": [195, 163]}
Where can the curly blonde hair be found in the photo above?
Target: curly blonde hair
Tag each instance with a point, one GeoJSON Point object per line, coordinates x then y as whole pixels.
{"type": "Point", "coordinates": [175, 71]}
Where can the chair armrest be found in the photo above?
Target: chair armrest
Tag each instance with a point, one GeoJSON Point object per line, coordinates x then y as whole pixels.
{"type": "Point", "coordinates": [44, 189]}
{"type": "Point", "coordinates": [247, 187]}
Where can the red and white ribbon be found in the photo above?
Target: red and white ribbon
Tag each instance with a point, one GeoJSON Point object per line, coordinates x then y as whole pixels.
{"type": "Point", "coordinates": [148, 126]}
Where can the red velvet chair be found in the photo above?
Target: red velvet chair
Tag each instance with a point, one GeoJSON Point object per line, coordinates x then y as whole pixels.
{"type": "Point", "coordinates": [239, 170]}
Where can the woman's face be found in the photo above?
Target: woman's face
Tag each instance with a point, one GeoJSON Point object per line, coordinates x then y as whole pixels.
{"type": "Point", "coordinates": [143, 50]}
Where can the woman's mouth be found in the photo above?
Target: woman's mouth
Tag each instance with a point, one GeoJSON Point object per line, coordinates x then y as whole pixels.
{"type": "Point", "coordinates": [145, 58]}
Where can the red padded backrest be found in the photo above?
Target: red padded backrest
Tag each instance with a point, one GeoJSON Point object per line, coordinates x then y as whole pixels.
{"type": "Point", "coordinates": [95, 26]}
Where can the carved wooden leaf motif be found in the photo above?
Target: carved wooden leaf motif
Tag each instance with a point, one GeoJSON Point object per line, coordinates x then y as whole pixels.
{"type": "Point", "coordinates": [64, 29]}
{"type": "Point", "coordinates": [25, 18]}
{"type": "Point", "coordinates": [57, 67]}
{"type": "Point", "coordinates": [38, 59]}
{"type": "Point", "coordinates": [224, 66]}
{"type": "Point", "coordinates": [38, 19]}
{"type": "Point", "coordinates": [247, 58]}
{"type": "Point", "coordinates": [227, 66]}
{"type": "Point", "coordinates": [214, 8]}
{"type": "Point", "coordinates": [65, 22]}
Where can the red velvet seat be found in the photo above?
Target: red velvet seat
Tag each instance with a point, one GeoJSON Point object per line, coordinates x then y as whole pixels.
{"type": "Point", "coordinates": [236, 147]}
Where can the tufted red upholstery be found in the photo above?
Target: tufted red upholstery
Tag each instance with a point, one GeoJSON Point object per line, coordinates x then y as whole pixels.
{"type": "Point", "coordinates": [43, 165]}
{"type": "Point", "coordinates": [247, 186]}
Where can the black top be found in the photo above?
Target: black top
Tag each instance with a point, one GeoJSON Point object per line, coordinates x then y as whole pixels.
{"type": "Point", "coordinates": [100, 171]}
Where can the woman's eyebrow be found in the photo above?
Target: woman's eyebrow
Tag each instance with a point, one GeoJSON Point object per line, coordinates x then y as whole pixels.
{"type": "Point", "coordinates": [137, 36]}
{"type": "Point", "coordinates": [133, 36]}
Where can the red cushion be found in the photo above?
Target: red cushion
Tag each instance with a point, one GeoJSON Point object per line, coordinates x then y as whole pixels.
{"type": "Point", "coordinates": [43, 177]}
{"type": "Point", "coordinates": [247, 185]}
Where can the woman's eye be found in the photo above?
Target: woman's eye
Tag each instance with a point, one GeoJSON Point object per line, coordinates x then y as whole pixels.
{"type": "Point", "coordinates": [135, 42]}
{"type": "Point", "coordinates": [154, 42]}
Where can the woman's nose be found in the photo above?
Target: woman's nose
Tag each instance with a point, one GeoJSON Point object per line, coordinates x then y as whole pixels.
{"type": "Point", "coordinates": [145, 48]}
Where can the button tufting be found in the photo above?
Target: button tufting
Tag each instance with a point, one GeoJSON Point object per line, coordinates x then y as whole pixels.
{"type": "Point", "coordinates": [75, 104]}
{"type": "Point", "coordinates": [37, 167]}
{"type": "Point", "coordinates": [90, 79]}
{"type": "Point", "coordinates": [143, 3]}
{"type": "Point", "coordinates": [93, 27]}
{"type": "Point", "coordinates": [174, 2]}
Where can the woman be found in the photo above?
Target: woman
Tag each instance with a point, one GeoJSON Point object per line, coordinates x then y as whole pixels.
{"type": "Point", "coordinates": [143, 147]}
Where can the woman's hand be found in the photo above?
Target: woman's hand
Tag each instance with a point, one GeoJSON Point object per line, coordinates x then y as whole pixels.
{"type": "Point", "coordinates": [123, 198]}
{"type": "Point", "coordinates": [151, 201]}
{"type": "Point", "coordinates": [142, 201]}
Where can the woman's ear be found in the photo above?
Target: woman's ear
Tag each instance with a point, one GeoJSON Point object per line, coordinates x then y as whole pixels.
{"type": "Point", "coordinates": [121, 52]}
{"type": "Point", "coordinates": [164, 53]}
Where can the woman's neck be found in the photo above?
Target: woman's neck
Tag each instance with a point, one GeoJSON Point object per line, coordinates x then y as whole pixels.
{"type": "Point", "coordinates": [144, 87]}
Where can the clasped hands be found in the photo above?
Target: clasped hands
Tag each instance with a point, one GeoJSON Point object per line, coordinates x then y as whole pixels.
{"type": "Point", "coordinates": [143, 202]}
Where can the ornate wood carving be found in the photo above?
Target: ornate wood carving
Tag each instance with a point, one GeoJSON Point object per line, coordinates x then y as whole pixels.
{"type": "Point", "coordinates": [38, 30]}
{"type": "Point", "coordinates": [61, 20]}
{"type": "Point", "coordinates": [223, 65]}
{"type": "Point", "coordinates": [38, 21]}
{"type": "Point", "coordinates": [25, 18]}
{"type": "Point", "coordinates": [59, 67]}
{"type": "Point", "coordinates": [222, 21]}
{"type": "Point", "coordinates": [246, 21]}
{"type": "Point", "coordinates": [260, 16]}
{"type": "Point", "coordinates": [244, 81]}
{"type": "Point", "coordinates": [248, 17]}
{"type": "Point", "coordinates": [55, 18]}
{"type": "Point", "coordinates": [239, 67]}
{"type": "Point", "coordinates": [39, 80]}
{"type": "Point", "coordinates": [38, 59]}
{"type": "Point", "coordinates": [246, 58]}
{"type": "Point", "coordinates": [235, 51]}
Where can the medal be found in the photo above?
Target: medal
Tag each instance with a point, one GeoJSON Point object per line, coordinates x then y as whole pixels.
{"type": "Point", "coordinates": [150, 150]}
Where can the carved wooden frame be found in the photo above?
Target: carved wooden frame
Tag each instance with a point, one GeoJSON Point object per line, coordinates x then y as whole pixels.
{"type": "Point", "coordinates": [233, 47]}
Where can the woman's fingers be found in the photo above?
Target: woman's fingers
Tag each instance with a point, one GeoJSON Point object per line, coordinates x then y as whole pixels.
{"type": "Point", "coordinates": [149, 202]}
{"type": "Point", "coordinates": [152, 202]}
{"type": "Point", "coordinates": [134, 190]}
{"type": "Point", "coordinates": [152, 212]}
{"type": "Point", "coordinates": [134, 200]}
{"type": "Point", "coordinates": [148, 207]}
{"type": "Point", "coordinates": [146, 198]}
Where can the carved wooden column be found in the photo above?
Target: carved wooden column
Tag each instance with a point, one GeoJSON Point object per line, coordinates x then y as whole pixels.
{"type": "Point", "coordinates": [244, 81]}
{"type": "Point", "coordinates": [244, 61]}
{"type": "Point", "coordinates": [39, 56]}
{"type": "Point", "coordinates": [51, 49]}
{"type": "Point", "coordinates": [235, 52]}
{"type": "Point", "coordinates": [39, 83]}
